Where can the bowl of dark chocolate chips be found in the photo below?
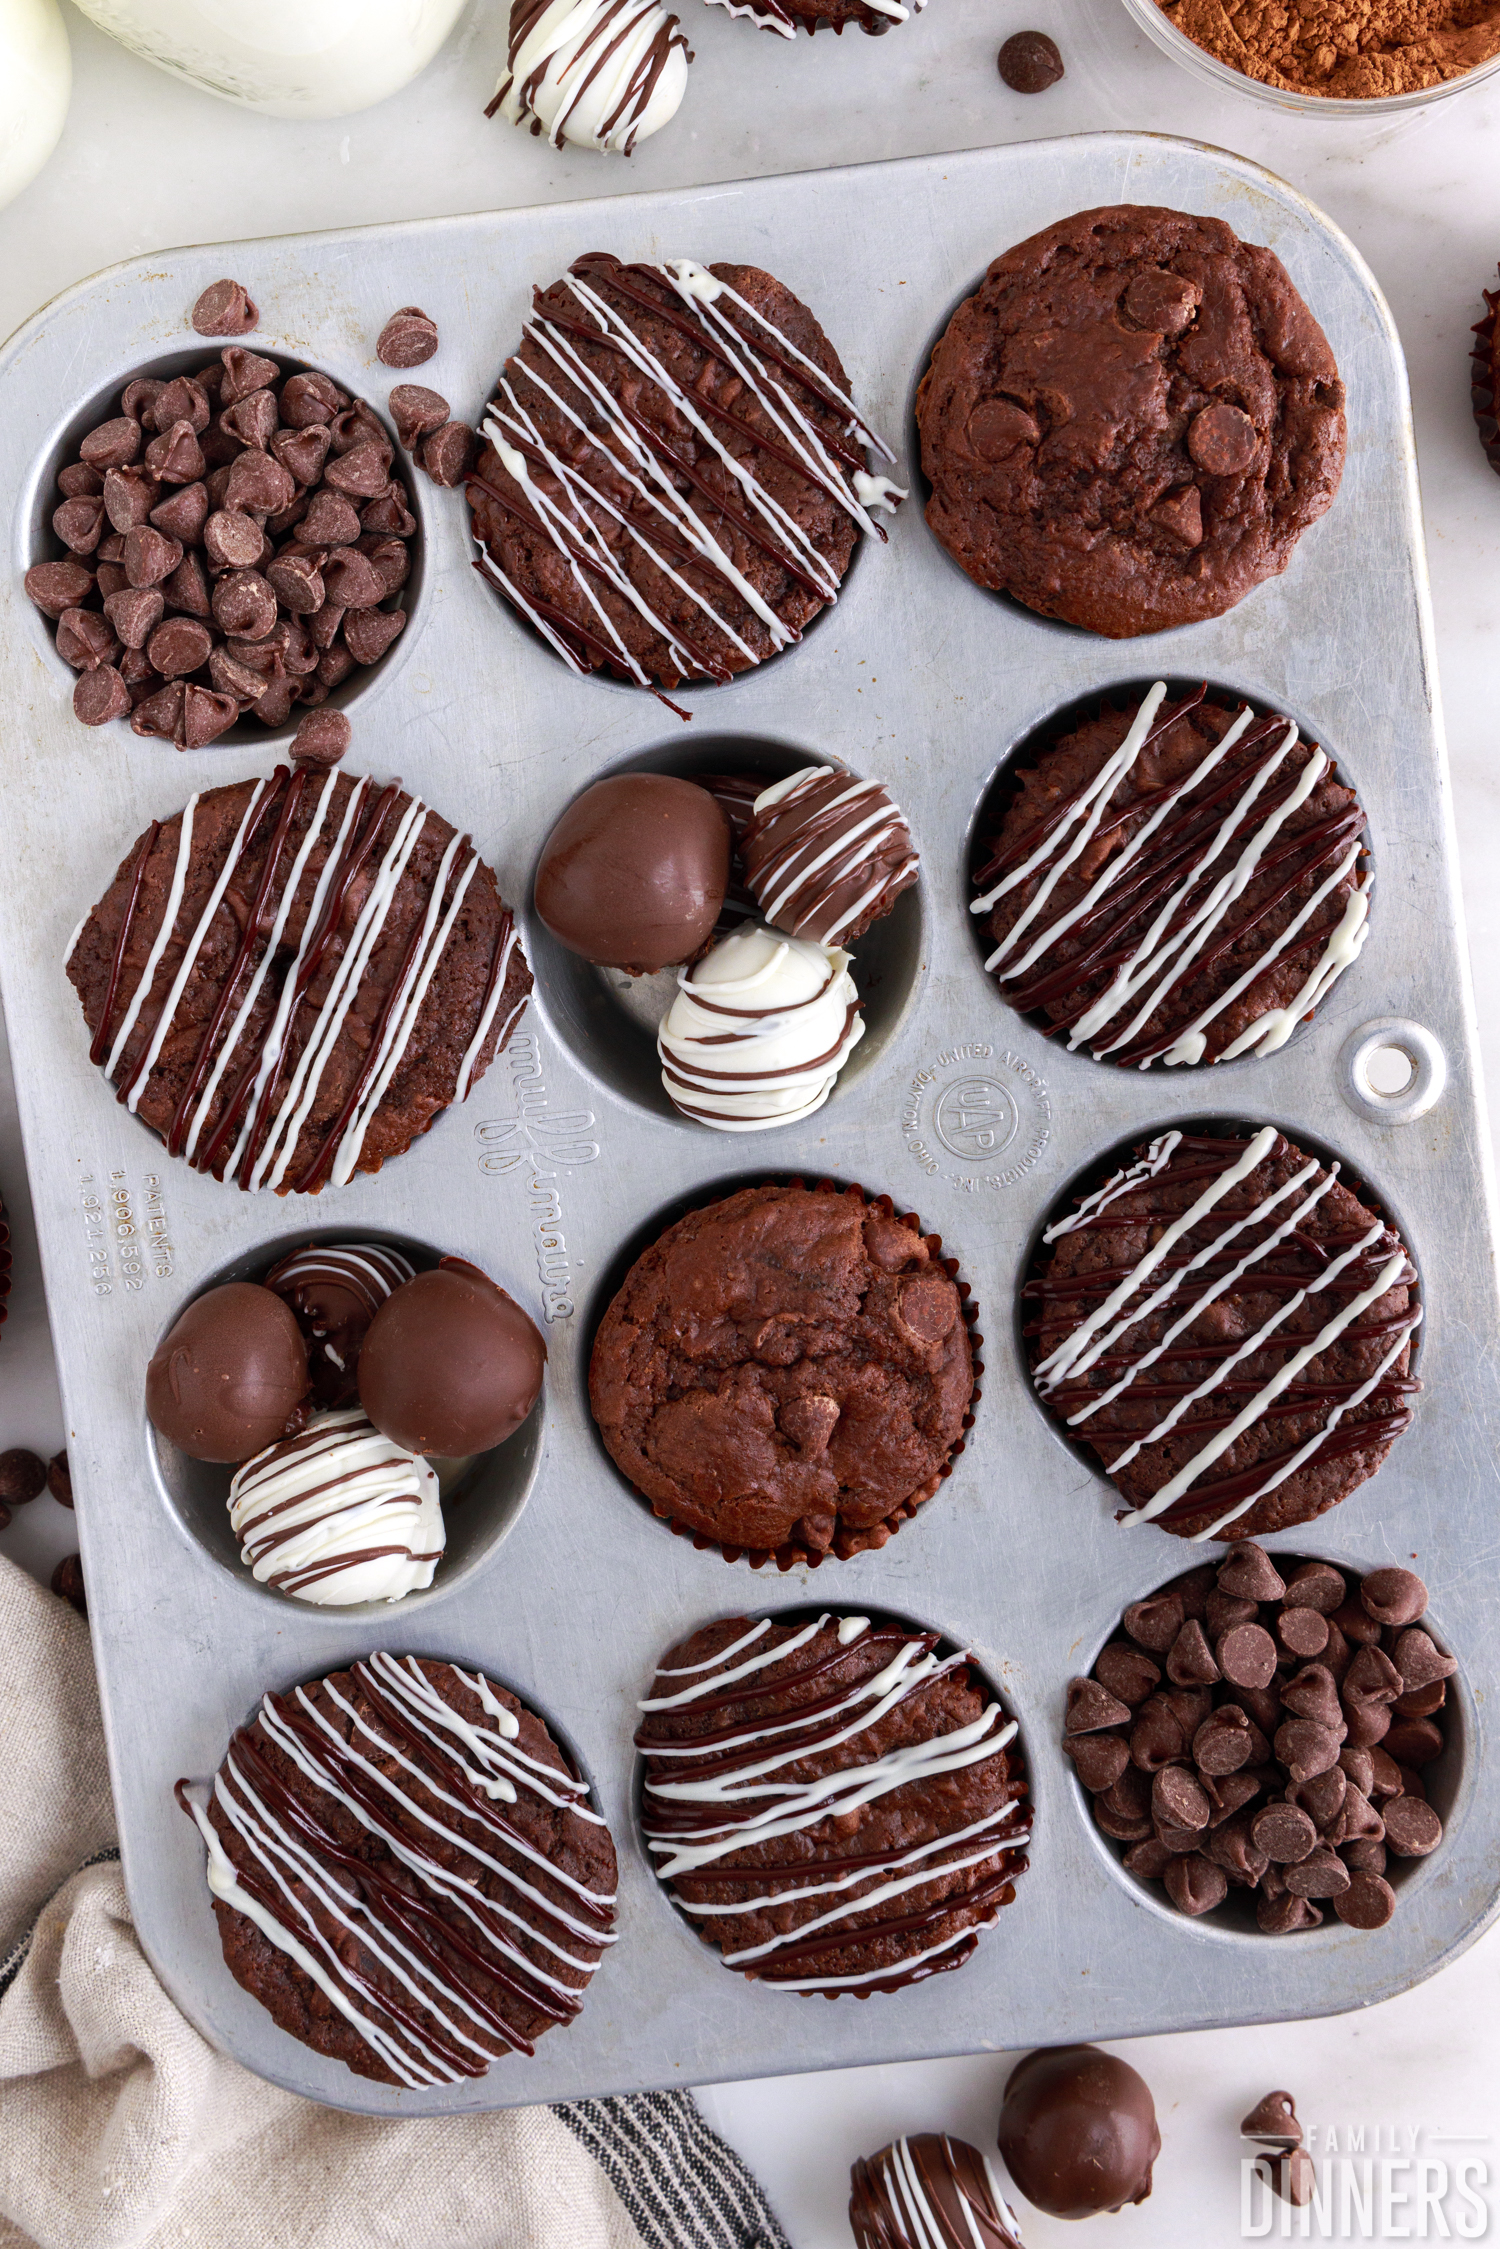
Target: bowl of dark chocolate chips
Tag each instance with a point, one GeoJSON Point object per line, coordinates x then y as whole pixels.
{"type": "Point", "coordinates": [1270, 1740]}
{"type": "Point", "coordinates": [221, 545]}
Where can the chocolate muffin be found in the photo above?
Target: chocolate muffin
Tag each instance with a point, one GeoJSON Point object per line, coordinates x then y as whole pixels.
{"type": "Point", "coordinates": [786, 1372]}
{"type": "Point", "coordinates": [1132, 421]}
{"type": "Point", "coordinates": [291, 978]}
{"type": "Point", "coordinates": [1229, 1327]}
{"type": "Point", "coordinates": [643, 496]}
{"type": "Point", "coordinates": [779, 1770]}
{"type": "Point", "coordinates": [350, 1814]}
{"type": "Point", "coordinates": [1485, 378]}
{"type": "Point", "coordinates": [1178, 881]}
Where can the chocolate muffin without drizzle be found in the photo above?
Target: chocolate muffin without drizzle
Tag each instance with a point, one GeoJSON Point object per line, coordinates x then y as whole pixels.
{"type": "Point", "coordinates": [786, 1372]}
{"type": "Point", "coordinates": [292, 978]}
{"type": "Point", "coordinates": [674, 473]}
{"type": "Point", "coordinates": [839, 1806]}
{"type": "Point", "coordinates": [1175, 881]}
{"type": "Point", "coordinates": [407, 1872]}
{"type": "Point", "coordinates": [1132, 421]}
{"type": "Point", "coordinates": [1230, 1329]}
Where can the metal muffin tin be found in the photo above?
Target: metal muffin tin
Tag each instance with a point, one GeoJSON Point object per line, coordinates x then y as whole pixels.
{"type": "Point", "coordinates": [563, 1161]}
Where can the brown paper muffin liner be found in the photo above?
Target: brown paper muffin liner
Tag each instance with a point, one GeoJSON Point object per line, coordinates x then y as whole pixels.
{"type": "Point", "coordinates": [793, 1556]}
{"type": "Point", "coordinates": [1482, 384]}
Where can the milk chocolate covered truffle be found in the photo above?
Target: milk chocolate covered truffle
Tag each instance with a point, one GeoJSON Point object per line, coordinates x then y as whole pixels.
{"type": "Point", "coordinates": [451, 1365]}
{"type": "Point", "coordinates": [634, 874]}
{"type": "Point", "coordinates": [229, 1376]}
{"type": "Point", "coordinates": [1078, 2131]}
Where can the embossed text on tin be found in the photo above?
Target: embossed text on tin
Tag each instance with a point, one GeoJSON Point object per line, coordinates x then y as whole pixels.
{"type": "Point", "coordinates": [538, 1143]}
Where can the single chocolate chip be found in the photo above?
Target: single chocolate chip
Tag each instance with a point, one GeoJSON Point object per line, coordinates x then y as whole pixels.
{"type": "Point", "coordinates": [1284, 1914]}
{"type": "Point", "coordinates": [130, 495]}
{"type": "Point", "coordinates": [1156, 1739]}
{"type": "Point", "coordinates": [1223, 1611]}
{"type": "Point", "coordinates": [78, 481]}
{"type": "Point", "coordinates": [1359, 1821]}
{"type": "Point", "coordinates": [352, 579]}
{"type": "Point", "coordinates": [244, 605]}
{"type": "Point", "coordinates": [416, 412]}
{"type": "Point", "coordinates": [1372, 1677]}
{"type": "Point", "coordinates": [1305, 1747]}
{"type": "Point", "coordinates": [1312, 1694]}
{"type": "Point", "coordinates": [1098, 1759]}
{"type": "Point", "coordinates": [80, 523]}
{"type": "Point", "coordinates": [179, 646]}
{"type": "Point", "coordinates": [138, 398]}
{"type": "Point", "coordinates": [1368, 1903]}
{"type": "Point", "coordinates": [1420, 1662]}
{"type": "Point", "coordinates": [321, 740]}
{"type": "Point", "coordinates": [183, 514]}
{"type": "Point", "coordinates": [1148, 1860]}
{"type": "Point", "coordinates": [297, 584]}
{"type": "Point", "coordinates": [1229, 1792]}
{"type": "Point", "coordinates": [67, 1583]}
{"type": "Point", "coordinates": [302, 452]}
{"type": "Point", "coordinates": [1233, 1847]}
{"type": "Point", "coordinates": [1120, 1827]}
{"type": "Point", "coordinates": [1414, 1741]}
{"type": "Point", "coordinates": [56, 586]}
{"type": "Point", "coordinates": [408, 338]}
{"type": "Point", "coordinates": [448, 453]}
{"type": "Point", "coordinates": [1412, 1783]}
{"type": "Point", "coordinates": [391, 559]}
{"type": "Point", "coordinates": [1366, 1723]}
{"type": "Point", "coordinates": [1247, 1656]}
{"type": "Point", "coordinates": [1249, 1572]}
{"type": "Point", "coordinates": [1129, 1793]}
{"type": "Point", "coordinates": [160, 715]}
{"type": "Point", "coordinates": [370, 632]}
{"type": "Point", "coordinates": [187, 589]}
{"type": "Point", "coordinates": [184, 399]}
{"type": "Point", "coordinates": [1393, 1596]}
{"type": "Point", "coordinates": [363, 471]}
{"type": "Point", "coordinates": [22, 1476]}
{"type": "Point", "coordinates": [1322, 1797]}
{"type": "Point", "coordinates": [1030, 62]}
{"type": "Point", "coordinates": [1090, 1707]}
{"type": "Point", "coordinates": [258, 483]}
{"type": "Point", "coordinates": [1178, 1799]}
{"type": "Point", "coordinates": [309, 399]}
{"type": "Point", "coordinates": [389, 512]}
{"type": "Point", "coordinates": [112, 444]}
{"type": "Point", "coordinates": [1161, 301]}
{"type": "Point", "coordinates": [1356, 1624]}
{"type": "Point", "coordinates": [253, 420]}
{"type": "Point", "coordinates": [1274, 2120]}
{"type": "Point", "coordinates": [1316, 1585]}
{"type": "Point", "coordinates": [232, 676]}
{"type": "Point", "coordinates": [225, 308]}
{"type": "Point", "coordinates": [1156, 1621]}
{"type": "Point", "coordinates": [85, 639]}
{"type": "Point", "coordinates": [1292, 2175]}
{"type": "Point", "coordinates": [176, 457]}
{"type": "Point", "coordinates": [109, 578]}
{"type": "Point", "coordinates": [1284, 1832]}
{"type": "Point", "coordinates": [335, 664]}
{"type": "Point", "coordinates": [1195, 1885]}
{"type": "Point", "coordinates": [1126, 1672]}
{"type": "Point", "coordinates": [1190, 1661]}
{"type": "Point", "coordinates": [59, 1481]}
{"type": "Point", "coordinates": [1322, 1874]}
{"type": "Point", "coordinates": [149, 555]}
{"type": "Point", "coordinates": [1302, 1632]}
{"type": "Point", "coordinates": [1422, 1702]}
{"type": "Point", "coordinates": [293, 644]}
{"type": "Point", "coordinates": [206, 715]}
{"type": "Point", "coordinates": [1223, 1743]}
{"type": "Point", "coordinates": [99, 696]}
{"type": "Point", "coordinates": [275, 706]}
{"type": "Point", "coordinates": [244, 371]}
{"type": "Point", "coordinates": [1358, 1766]}
{"type": "Point", "coordinates": [1337, 1654]}
{"type": "Point", "coordinates": [1222, 439]}
{"type": "Point", "coordinates": [331, 520]}
{"type": "Point", "coordinates": [135, 613]}
{"type": "Point", "coordinates": [1366, 1855]}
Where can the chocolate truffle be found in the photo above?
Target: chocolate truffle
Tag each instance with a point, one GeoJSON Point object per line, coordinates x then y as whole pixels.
{"type": "Point", "coordinates": [929, 2192]}
{"type": "Point", "coordinates": [826, 855]}
{"type": "Point", "coordinates": [634, 873]}
{"type": "Point", "coordinates": [451, 1365]}
{"type": "Point", "coordinates": [1078, 2131]}
{"type": "Point", "coordinates": [335, 1292]}
{"type": "Point", "coordinates": [228, 1377]}
{"type": "Point", "coordinates": [338, 1514]}
{"type": "Point", "coordinates": [759, 1030]}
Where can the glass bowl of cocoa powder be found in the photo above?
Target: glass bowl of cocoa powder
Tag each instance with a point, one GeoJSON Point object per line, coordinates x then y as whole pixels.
{"type": "Point", "coordinates": [1351, 58]}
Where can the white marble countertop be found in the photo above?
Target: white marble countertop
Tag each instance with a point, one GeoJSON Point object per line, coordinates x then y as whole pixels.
{"type": "Point", "coordinates": [146, 162]}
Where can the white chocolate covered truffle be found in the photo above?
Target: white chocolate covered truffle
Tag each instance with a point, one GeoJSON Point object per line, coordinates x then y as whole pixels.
{"type": "Point", "coordinates": [759, 1030]}
{"type": "Point", "coordinates": [338, 1514]}
{"type": "Point", "coordinates": [599, 74]}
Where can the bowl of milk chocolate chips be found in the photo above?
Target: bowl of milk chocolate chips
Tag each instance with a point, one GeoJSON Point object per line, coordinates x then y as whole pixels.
{"type": "Point", "coordinates": [355, 1420]}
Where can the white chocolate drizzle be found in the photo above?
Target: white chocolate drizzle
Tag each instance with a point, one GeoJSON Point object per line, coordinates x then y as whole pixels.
{"type": "Point", "coordinates": [368, 1942]}
{"type": "Point", "coordinates": [599, 74]}
{"type": "Point", "coordinates": [822, 849]}
{"type": "Point", "coordinates": [759, 1030]}
{"type": "Point", "coordinates": [338, 1514]}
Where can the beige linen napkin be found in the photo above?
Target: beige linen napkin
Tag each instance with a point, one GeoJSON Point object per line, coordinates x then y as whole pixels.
{"type": "Point", "coordinates": [121, 2129]}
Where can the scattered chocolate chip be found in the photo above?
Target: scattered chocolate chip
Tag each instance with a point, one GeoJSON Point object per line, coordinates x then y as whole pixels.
{"type": "Point", "coordinates": [1273, 2121]}
{"type": "Point", "coordinates": [22, 1477]}
{"type": "Point", "coordinates": [59, 1482]}
{"type": "Point", "coordinates": [448, 454]}
{"type": "Point", "coordinates": [416, 412]}
{"type": "Point", "coordinates": [408, 338]}
{"type": "Point", "coordinates": [1030, 62]}
{"type": "Point", "coordinates": [225, 308]}
{"type": "Point", "coordinates": [67, 1582]}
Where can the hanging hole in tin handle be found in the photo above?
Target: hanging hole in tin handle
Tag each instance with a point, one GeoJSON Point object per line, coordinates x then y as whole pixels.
{"type": "Point", "coordinates": [1392, 1071]}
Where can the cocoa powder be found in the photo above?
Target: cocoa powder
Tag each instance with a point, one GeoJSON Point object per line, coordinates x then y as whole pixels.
{"type": "Point", "coordinates": [1349, 50]}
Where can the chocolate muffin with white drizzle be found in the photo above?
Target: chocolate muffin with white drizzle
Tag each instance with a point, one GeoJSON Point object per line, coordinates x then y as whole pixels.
{"type": "Point", "coordinates": [407, 1871]}
{"type": "Point", "coordinates": [1177, 881]}
{"type": "Point", "coordinates": [292, 978]}
{"type": "Point", "coordinates": [1230, 1328]}
{"type": "Point", "coordinates": [839, 1806]}
{"type": "Point", "coordinates": [674, 473]}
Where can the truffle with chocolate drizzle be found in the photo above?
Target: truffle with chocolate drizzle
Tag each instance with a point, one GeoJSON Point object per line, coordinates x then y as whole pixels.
{"type": "Point", "coordinates": [1230, 1329]}
{"type": "Point", "coordinates": [334, 1291]}
{"type": "Point", "coordinates": [1183, 885]}
{"type": "Point", "coordinates": [292, 977]}
{"type": "Point", "coordinates": [600, 74]}
{"type": "Point", "coordinates": [838, 1805]}
{"type": "Point", "coordinates": [929, 2192]}
{"type": "Point", "coordinates": [826, 855]}
{"type": "Point", "coordinates": [674, 473]}
{"type": "Point", "coordinates": [406, 1869]}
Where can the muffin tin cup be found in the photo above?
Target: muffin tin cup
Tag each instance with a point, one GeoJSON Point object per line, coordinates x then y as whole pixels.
{"type": "Point", "coordinates": [551, 1174]}
{"type": "Point", "coordinates": [794, 1555]}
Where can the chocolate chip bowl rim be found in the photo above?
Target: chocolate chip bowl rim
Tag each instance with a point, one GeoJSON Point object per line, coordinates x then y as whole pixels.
{"type": "Point", "coordinates": [1216, 1124]}
{"type": "Point", "coordinates": [1232, 1922]}
{"type": "Point", "coordinates": [698, 1953]}
{"type": "Point", "coordinates": [1034, 737]}
{"type": "Point", "coordinates": [482, 1508]}
{"type": "Point", "coordinates": [584, 1018]}
{"type": "Point", "coordinates": [612, 1274]}
{"type": "Point", "coordinates": [40, 543]}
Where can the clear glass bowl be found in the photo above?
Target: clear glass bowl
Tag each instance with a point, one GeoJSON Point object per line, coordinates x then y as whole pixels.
{"type": "Point", "coordinates": [1159, 27]}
